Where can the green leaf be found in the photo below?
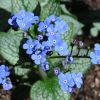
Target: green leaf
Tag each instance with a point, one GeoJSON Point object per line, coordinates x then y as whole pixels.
{"type": "Point", "coordinates": [76, 24]}
{"type": "Point", "coordinates": [18, 5]}
{"type": "Point", "coordinates": [9, 45]}
{"type": "Point", "coordinates": [21, 71]}
{"type": "Point", "coordinates": [97, 25]}
{"type": "Point", "coordinates": [66, 12]}
{"type": "Point", "coordinates": [6, 5]}
{"type": "Point", "coordinates": [80, 65]}
{"type": "Point", "coordinates": [52, 7]}
{"type": "Point", "coordinates": [48, 90]}
{"type": "Point", "coordinates": [94, 32]}
{"type": "Point", "coordinates": [74, 27]}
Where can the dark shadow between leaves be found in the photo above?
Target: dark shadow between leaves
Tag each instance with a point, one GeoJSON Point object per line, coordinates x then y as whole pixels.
{"type": "Point", "coordinates": [21, 92]}
{"type": "Point", "coordinates": [37, 10]}
{"type": "Point", "coordinates": [4, 16]}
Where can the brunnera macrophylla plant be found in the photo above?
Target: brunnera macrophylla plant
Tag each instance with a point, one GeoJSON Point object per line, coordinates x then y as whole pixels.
{"type": "Point", "coordinates": [46, 45]}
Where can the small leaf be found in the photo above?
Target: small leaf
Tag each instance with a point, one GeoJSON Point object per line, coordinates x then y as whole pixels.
{"type": "Point", "coordinates": [48, 90]}
{"type": "Point", "coordinates": [9, 45]}
{"type": "Point", "coordinates": [21, 71]}
{"type": "Point", "coordinates": [94, 32]}
{"type": "Point", "coordinates": [97, 25]}
{"type": "Point", "coordinates": [50, 8]}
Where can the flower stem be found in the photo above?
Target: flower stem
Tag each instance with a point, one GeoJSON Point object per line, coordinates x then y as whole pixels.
{"type": "Point", "coordinates": [42, 74]}
{"type": "Point", "coordinates": [52, 57]}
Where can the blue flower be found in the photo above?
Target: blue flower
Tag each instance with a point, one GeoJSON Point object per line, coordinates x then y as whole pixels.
{"type": "Point", "coordinates": [39, 37]}
{"type": "Point", "coordinates": [65, 81]}
{"type": "Point", "coordinates": [61, 48]}
{"type": "Point", "coordinates": [12, 21]}
{"type": "Point", "coordinates": [23, 19]}
{"type": "Point", "coordinates": [77, 77]}
{"type": "Point", "coordinates": [4, 71]}
{"type": "Point", "coordinates": [51, 30]}
{"type": "Point", "coordinates": [31, 46]}
{"type": "Point", "coordinates": [53, 19]}
{"type": "Point", "coordinates": [69, 59]}
{"type": "Point", "coordinates": [39, 57]}
{"type": "Point", "coordinates": [95, 56]}
{"type": "Point", "coordinates": [61, 26]}
{"type": "Point", "coordinates": [46, 46]}
{"type": "Point", "coordinates": [45, 66]}
{"type": "Point", "coordinates": [7, 85]}
{"type": "Point", "coordinates": [42, 27]}
{"type": "Point", "coordinates": [55, 39]}
{"type": "Point", "coordinates": [57, 71]}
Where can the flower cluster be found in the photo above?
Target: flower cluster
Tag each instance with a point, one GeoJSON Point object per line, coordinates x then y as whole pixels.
{"type": "Point", "coordinates": [95, 56]}
{"type": "Point", "coordinates": [23, 19]}
{"type": "Point", "coordinates": [48, 41]}
{"type": "Point", "coordinates": [68, 80]}
{"type": "Point", "coordinates": [52, 29]}
{"type": "Point", "coordinates": [4, 73]}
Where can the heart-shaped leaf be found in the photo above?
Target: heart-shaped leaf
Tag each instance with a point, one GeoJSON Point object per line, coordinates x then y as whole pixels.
{"type": "Point", "coordinates": [48, 90]}
{"type": "Point", "coordinates": [9, 45]}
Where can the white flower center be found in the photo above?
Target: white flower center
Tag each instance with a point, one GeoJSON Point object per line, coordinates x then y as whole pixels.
{"type": "Point", "coordinates": [56, 71]}
{"type": "Point", "coordinates": [61, 48]}
{"type": "Point", "coordinates": [23, 24]}
{"type": "Point", "coordinates": [54, 41]}
{"type": "Point", "coordinates": [45, 26]}
{"type": "Point", "coordinates": [65, 81]}
{"type": "Point", "coordinates": [31, 46]}
{"type": "Point", "coordinates": [39, 56]}
{"type": "Point", "coordinates": [52, 33]}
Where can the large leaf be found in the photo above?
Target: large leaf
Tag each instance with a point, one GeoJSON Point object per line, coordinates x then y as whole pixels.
{"type": "Point", "coordinates": [81, 61]}
{"type": "Point", "coordinates": [52, 7]}
{"type": "Point", "coordinates": [9, 45]}
{"type": "Point", "coordinates": [74, 27]}
{"type": "Point", "coordinates": [80, 65]}
{"type": "Point", "coordinates": [76, 24]}
{"type": "Point", "coordinates": [6, 5]}
{"type": "Point", "coordinates": [17, 5]}
{"type": "Point", "coordinates": [29, 5]}
{"type": "Point", "coordinates": [48, 90]}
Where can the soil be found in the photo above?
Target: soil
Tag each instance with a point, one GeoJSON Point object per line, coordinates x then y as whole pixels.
{"type": "Point", "coordinates": [91, 86]}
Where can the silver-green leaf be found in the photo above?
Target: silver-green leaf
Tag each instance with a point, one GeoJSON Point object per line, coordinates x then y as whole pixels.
{"type": "Point", "coordinates": [21, 71]}
{"type": "Point", "coordinates": [18, 5]}
{"type": "Point", "coordinates": [52, 7]}
{"type": "Point", "coordinates": [48, 90]}
{"type": "Point", "coordinates": [9, 45]}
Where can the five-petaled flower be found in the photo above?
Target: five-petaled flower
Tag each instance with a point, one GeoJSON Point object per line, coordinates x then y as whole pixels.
{"type": "Point", "coordinates": [4, 73]}
{"type": "Point", "coordinates": [66, 82]}
{"type": "Point", "coordinates": [23, 19]}
{"type": "Point", "coordinates": [95, 56]}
